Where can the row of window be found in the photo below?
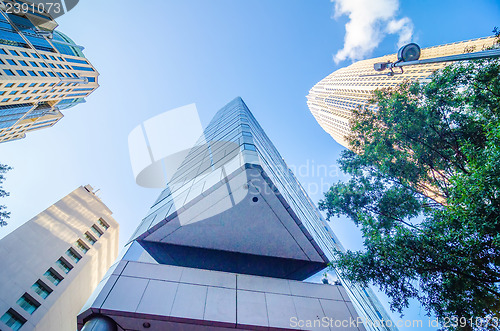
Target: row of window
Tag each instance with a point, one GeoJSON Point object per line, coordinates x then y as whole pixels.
{"type": "Point", "coordinates": [13, 319]}
{"type": "Point", "coordinates": [43, 56]}
{"type": "Point", "coordinates": [35, 64]}
{"type": "Point", "coordinates": [34, 55]}
{"type": "Point", "coordinates": [8, 85]}
{"type": "Point", "coordinates": [32, 73]}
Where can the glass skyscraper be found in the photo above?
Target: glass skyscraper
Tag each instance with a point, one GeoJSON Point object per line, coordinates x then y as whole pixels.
{"type": "Point", "coordinates": [227, 245]}
{"type": "Point", "coordinates": [42, 71]}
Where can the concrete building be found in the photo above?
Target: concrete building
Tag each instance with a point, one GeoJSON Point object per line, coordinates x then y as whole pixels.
{"type": "Point", "coordinates": [227, 246]}
{"type": "Point", "coordinates": [332, 100]}
{"type": "Point", "coordinates": [50, 265]}
{"type": "Point", "coordinates": [42, 71]}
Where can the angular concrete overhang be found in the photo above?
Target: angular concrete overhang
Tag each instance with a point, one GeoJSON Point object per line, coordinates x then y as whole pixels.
{"type": "Point", "coordinates": [164, 297]}
{"type": "Point", "coordinates": [242, 217]}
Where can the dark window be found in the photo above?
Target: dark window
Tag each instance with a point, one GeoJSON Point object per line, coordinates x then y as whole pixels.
{"type": "Point", "coordinates": [53, 276]}
{"type": "Point", "coordinates": [73, 255]}
{"type": "Point", "coordinates": [84, 248]}
{"type": "Point", "coordinates": [21, 73]}
{"type": "Point", "coordinates": [41, 289]}
{"type": "Point", "coordinates": [89, 238]}
{"type": "Point", "coordinates": [8, 72]}
{"type": "Point", "coordinates": [13, 320]}
{"type": "Point", "coordinates": [102, 222]}
{"type": "Point", "coordinates": [28, 303]}
{"type": "Point", "coordinates": [12, 62]}
{"type": "Point", "coordinates": [96, 230]}
{"type": "Point", "coordinates": [63, 265]}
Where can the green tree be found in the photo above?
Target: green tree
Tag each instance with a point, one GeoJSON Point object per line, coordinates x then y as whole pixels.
{"type": "Point", "coordinates": [425, 192]}
{"type": "Point", "coordinates": [3, 213]}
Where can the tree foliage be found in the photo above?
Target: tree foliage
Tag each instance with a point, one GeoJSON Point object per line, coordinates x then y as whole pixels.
{"type": "Point", "coordinates": [425, 191]}
{"type": "Point", "coordinates": [3, 213]}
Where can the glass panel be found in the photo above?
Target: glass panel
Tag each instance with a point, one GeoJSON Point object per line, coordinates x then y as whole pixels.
{"type": "Point", "coordinates": [41, 289]}
{"type": "Point", "coordinates": [82, 246]}
{"type": "Point", "coordinates": [89, 238]}
{"type": "Point", "coordinates": [101, 221]}
{"type": "Point", "coordinates": [13, 320]}
{"type": "Point", "coordinates": [96, 231]}
{"type": "Point", "coordinates": [73, 255]}
{"type": "Point", "coordinates": [28, 304]}
{"type": "Point", "coordinates": [63, 265]}
{"type": "Point", "coordinates": [53, 277]}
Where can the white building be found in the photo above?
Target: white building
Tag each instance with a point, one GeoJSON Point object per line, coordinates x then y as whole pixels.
{"type": "Point", "coordinates": [50, 265]}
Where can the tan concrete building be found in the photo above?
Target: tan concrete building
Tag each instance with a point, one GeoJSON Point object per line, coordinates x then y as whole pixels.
{"type": "Point", "coordinates": [42, 71]}
{"type": "Point", "coordinates": [332, 100]}
{"type": "Point", "coordinates": [51, 264]}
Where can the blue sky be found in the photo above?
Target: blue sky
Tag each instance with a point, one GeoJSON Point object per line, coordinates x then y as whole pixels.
{"type": "Point", "coordinates": [165, 54]}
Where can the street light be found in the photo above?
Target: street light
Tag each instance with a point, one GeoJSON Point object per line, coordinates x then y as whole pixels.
{"type": "Point", "coordinates": [409, 55]}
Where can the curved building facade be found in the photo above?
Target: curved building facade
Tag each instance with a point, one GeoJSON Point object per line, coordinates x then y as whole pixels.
{"type": "Point", "coordinates": [332, 100]}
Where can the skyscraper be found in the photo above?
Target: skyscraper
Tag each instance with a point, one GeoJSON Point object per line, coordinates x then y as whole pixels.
{"type": "Point", "coordinates": [332, 100]}
{"type": "Point", "coordinates": [42, 72]}
{"type": "Point", "coordinates": [227, 245]}
{"type": "Point", "coordinates": [50, 265]}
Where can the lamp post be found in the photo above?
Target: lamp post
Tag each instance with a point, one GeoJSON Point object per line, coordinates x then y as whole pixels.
{"type": "Point", "coordinates": [409, 55]}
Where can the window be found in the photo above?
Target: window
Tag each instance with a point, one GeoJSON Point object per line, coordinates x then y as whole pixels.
{"type": "Point", "coordinates": [5, 100]}
{"type": "Point", "coordinates": [60, 66]}
{"type": "Point", "coordinates": [43, 84]}
{"type": "Point", "coordinates": [249, 147]}
{"type": "Point", "coordinates": [89, 238]}
{"type": "Point", "coordinates": [16, 99]}
{"type": "Point", "coordinates": [13, 320]}
{"type": "Point", "coordinates": [28, 303]}
{"type": "Point", "coordinates": [34, 64]}
{"type": "Point", "coordinates": [53, 276]}
{"type": "Point", "coordinates": [14, 53]}
{"type": "Point", "coordinates": [24, 92]}
{"type": "Point", "coordinates": [12, 92]}
{"type": "Point", "coordinates": [103, 224]}
{"type": "Point", "coordinates": [82, 68]}
{"type": "Point", "coordinates": [52, 65]}
{"type": "Point", "coordinates": [8, 72]}
{"type": "Point", "coordinates": [42, 73]}
{"type": "Point", "coordinates": [21, 85]}
{"type": "Point", "coordinates": [41, 289]}
{"type": "Point", "coordinates": [35, 55]}
{"type": "Point", "coordinates": [35, 91]}
{"type": "Point", "coordinates": [52, 84]}
{"type": "Point", "coordinates": [43, 65]}
{"type": "Point", "coordinates": [51, 74]}
{"type": "Point", "coordinates": [2, 92]}
{"type": "Point", "coordinates": [45, 56]}
{"type": "Point", "coordinates": [63, 265]}
{"type": "Point", "coordinates": [53, 58]}
{"type": "Point", "coordinates": [9, 85]}
{"type": "Point", "coordinates": [25, 54]}
{"type": "Point", "coordinates": [84, 248]}
{"type": "Point", "coordinates": [76, 61]}
{"type": "Point", "coordinates": [96, 230]}
{"type": "Point", "coordinates": [91, 79]}
{"type": "Point", "coordinates": [32, 85]}
{"type": "Point", "coordinates": [60, 59]}
{"type": "Point", "coordinates": [12, 62]}
{"type": "Point", "coordinates": [21, 73]}
{"type": "Point", "coordinates": [2, 51]}
{"type": "Point", "coordinates": [32, 73]}
{"type": "Point", "coordinates": [73, 255]}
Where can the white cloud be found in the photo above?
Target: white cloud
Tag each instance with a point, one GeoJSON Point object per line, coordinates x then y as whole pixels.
{"type": "Point", "coordinates": [369, 22]}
